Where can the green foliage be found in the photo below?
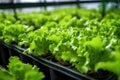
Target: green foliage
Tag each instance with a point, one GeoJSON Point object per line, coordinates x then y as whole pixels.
{"type": "Point", "coordinates": [95, 51]}
{"type": "Point", "coordinates": [38, 43]}
{"type": "Point", "coordinates": [23, 71]}
{"type": "Point", "coordinates": [20, 71]}
{"type": "Point", "coordinates": [36, 19]}
{"type": "Point", "coordinates": [78, 36]}
{"type": "Point", "coordinates": [1, 31]}
{"type": "Point", "coordinates": [24, 38]}
{"type": "Point", "coordinates": [11, 32]}
{"type": "Point", "coordinates": [5, 75]}
{"type": "Point", "coordinates": [113, 65]}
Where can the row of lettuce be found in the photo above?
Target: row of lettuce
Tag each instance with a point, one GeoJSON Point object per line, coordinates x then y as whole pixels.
{"type": "Point", "coordinates": [81, 37]}
{"type": "Point", "coordinates": [20, 71]}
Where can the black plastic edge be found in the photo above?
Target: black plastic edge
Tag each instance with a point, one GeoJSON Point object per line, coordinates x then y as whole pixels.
{"type": "Point", "coordinates": [62, 69]}
{"type": "Point", "coordinates": [55, 66]}
{"type": "Point", "coordinates": [52, 65]}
